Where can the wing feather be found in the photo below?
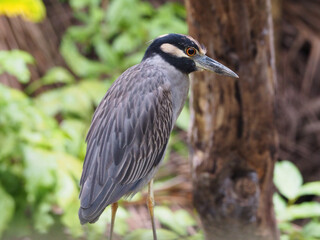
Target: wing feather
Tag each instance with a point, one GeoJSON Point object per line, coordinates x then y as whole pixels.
{"type": "Point", "coordinates": [126, 140]}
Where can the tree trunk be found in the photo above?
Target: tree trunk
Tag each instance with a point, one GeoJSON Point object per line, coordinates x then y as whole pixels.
{"type": "Point", "coordinates": [233, 134]}
{"type": "Point", "coordinates": [41, 40]}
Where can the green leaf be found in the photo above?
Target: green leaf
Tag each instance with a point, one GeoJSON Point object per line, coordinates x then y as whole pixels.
{"type": "Point", "coordinates": [76, 130]}
{"type": "Point", "coordinates": [66, 191]}
{"type": "Point", "coordinates": [105, 52]}
{"type": "Point", "coordinates": [70, 219]}
{"type": "Point", "coordinates": [312, 229]}
{"type": "Point", "coordinates": [19, 226]}
{"type": "Point", "coordinates": [79, 64]}
{"type": "Point", "coordinates": [58, 75]}
{"type": "Point", "coordinates": [284, 237]}
{"type": "Point", "coordinates": [32, 10]}
{"type": "Point", "coordinates": [300, 211]}
{"type": "Point", "coordinates": [197, 236]}
{"type": "Point", "coordinates": [167, 218]}
{"type": "Point", "coordinates": [183, 120]}
{"type": "Point", "coordinates": [68, 163]}
{"type": "Point", "coordinates": [285, 227]}
{"type": "Point", "coordinates": [279, 205]}
{"type": "Point", "coordinates": [126, 43]}
{"type": "Point", "coordinates": [184, 218]}
{"type": "Point", "coordinates": [42, 218]}
{"type": "Point", "coordinates": [287, 179]}
{"type": "Point", "coordinates": [69, 100]}
{"type": "Point", "coordinates": [54, 75]}
{"type": "Point", "coordinates": [142, 234]}
{"type": "Point", "coordinates": [77, 5]}
{"type": "Point", "coordinates": [95, 89]}
{"type": "Point", "coordinates": [6, 208]}
{"type": "Point", "coordinates": [15, 62]}
{"type": "Point", "coordinates": [311, 188]}
{"type": "Point", "coordinates": [39, 172]}
{"type": "Point", "coordinates": [82, 33]}
{"type": "Point", "coordinates": [132, 59]}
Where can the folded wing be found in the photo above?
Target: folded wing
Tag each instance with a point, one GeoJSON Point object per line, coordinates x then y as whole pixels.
{"type": "Point", "coordinates": [126, 141]}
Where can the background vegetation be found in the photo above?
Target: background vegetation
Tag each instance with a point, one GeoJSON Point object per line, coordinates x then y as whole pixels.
{"type": "Point", "coordinates": [43, 127]}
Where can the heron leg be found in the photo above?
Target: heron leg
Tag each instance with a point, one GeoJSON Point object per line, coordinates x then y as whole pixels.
{"type": "Point", "coordinates": [150, 204]}
{"type": "Point", "coordinates": [114, 207]}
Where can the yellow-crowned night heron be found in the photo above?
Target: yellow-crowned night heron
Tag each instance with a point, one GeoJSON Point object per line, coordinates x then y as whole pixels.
{"type": "Point", "coordinates": [130, 128]}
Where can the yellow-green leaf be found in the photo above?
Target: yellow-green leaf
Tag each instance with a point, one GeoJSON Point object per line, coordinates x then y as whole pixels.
{"type": "Point", "coordinates": [6, 208]}
{"type": "Point", "coordinates": [32, 10]}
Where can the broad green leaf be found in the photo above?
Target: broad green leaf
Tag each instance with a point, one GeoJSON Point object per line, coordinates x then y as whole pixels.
{"type": "Point", "coordinates": [76, 131]}
{"type": "Point", "coordinates": [19, 226]}
{"type": "Point", "coordinates": [132, 59]}
{"type": "Point", "coordinates": [184, 218]}
{"type": "Point", "coordinates": [7, 206]}
{"type": "Point", "coordinates": [311, 188]}
{"type": "Point", "coordinates": [39, 172]}
{"type": "Point", "coordinates": [167, 218]}
{"type": "Point", "coordinates": [15, 63]}
{"type": "Point", "coordinates": [79, 64]}
{"type": "Point", "coordinates": [82, 33]}
{"type": "Point", "coordinates": [287, 179]}
{"type": "Point", "coordinates": [285, 226]}
{"type": "Point", "coordinates": [42, 218]}
{"type": "Point", "coordinates": [70, 219]}
{"type": "Point", "coordinates": [32, 10]}
{"type": "Point", "coordinates": [58, 75]}
{"type": "Point", "coordinates": [69, 100]}
{"type": "Point", "coordinates": [77, 5]}
{"type": "Point", "coordinates": [312, 229]}
{"type": "Point", "coordinates": [125, 43]}
{"type": "Point", "coordinates": [8, 140]}
{"type": "Point", "coordinates": [284, 237]}
{"type": "Point", "coordinates": [197, 236]}
{"type": "Point", "coordinates": [183, 120]}
{"type": "Point", "coordinates": [105, 52]}
{"type": "Point", "coordinates": [95, 89]}
{"type": "Point", "coordinates": [279, 204]}
{"type": "Point", "coordinates": [177, 145]}
{"type": "Point", "coordinates": [68, 163]}
{"type": "Point", "coordinates": [301, 211]}
{"type": "Point", "coordinates": [67, 191]}
{"type": "Point", "coordinates": [144, 234]}
{"type": "Point", "coordinates": [9, 94]}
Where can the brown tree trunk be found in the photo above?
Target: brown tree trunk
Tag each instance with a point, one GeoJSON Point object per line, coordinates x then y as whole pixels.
{"type": "Point", "coordinates": [233, 135]}
{"type": "Point", "coordinates": [41, 40]}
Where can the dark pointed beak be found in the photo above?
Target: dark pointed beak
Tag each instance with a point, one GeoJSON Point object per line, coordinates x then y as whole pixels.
{"type": "Point", "coordinates": [203, 62]}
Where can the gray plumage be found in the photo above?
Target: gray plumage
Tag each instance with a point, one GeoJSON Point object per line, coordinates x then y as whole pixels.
{"type": "Point", "coordinates": [130, 129]}
{"type": "Point", "coordinates": [129, 134]}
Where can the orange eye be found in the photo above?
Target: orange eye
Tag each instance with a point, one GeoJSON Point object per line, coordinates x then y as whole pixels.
{"type": "Point", "coordinates": [190, 51]}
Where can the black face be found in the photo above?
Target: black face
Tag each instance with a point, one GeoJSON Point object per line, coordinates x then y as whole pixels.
{"type": "Point", "coordinates": [184, 64]}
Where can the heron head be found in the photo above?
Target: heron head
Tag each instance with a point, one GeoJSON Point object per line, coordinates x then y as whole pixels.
{"type": "Point", "coordinates": [186, 54]}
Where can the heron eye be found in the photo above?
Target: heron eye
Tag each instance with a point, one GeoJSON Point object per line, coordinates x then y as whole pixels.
{"type": "Point", "coordinates": [190, 51]}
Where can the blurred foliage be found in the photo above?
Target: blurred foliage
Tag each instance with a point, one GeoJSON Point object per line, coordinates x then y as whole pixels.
{"type": "Point", "coordinates": [37, 167]}
{"type": "Point", "coordinates": [289, 183]}
{"type": "Point", "coordinates": [43, 135]}
{"type": "Point", "coordinates": [15, 63]}
{"type": "Point", "coordinates": [32, 10]}
{"type": "Point", "coordinates": [116, 36]}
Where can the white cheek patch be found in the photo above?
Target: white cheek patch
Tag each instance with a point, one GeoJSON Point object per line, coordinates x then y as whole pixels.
{"type": "Point", "coordinates": [173, 50]}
